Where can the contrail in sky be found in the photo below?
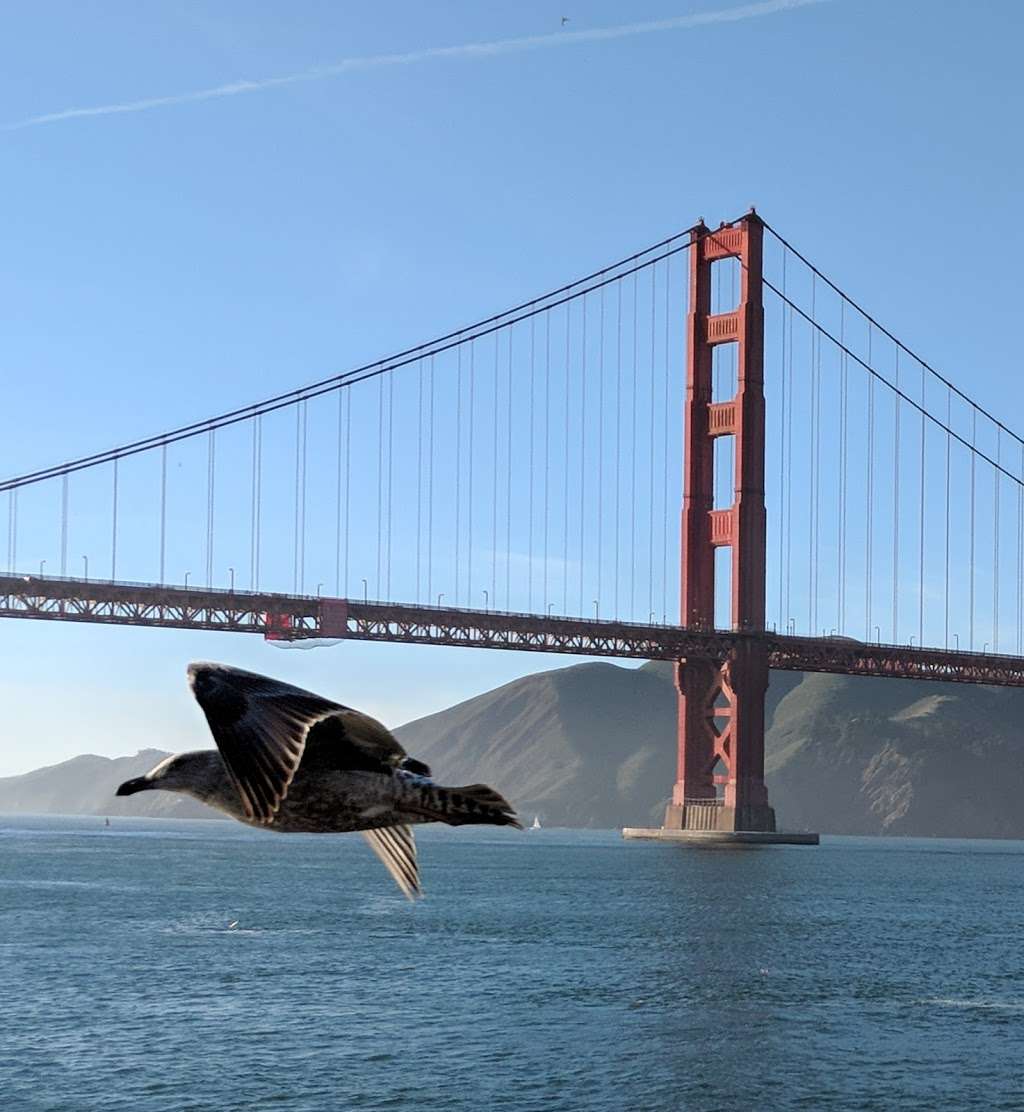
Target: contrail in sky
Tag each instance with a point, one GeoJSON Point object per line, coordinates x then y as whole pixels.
{"type": "Point", "coordinates": [465, 50]}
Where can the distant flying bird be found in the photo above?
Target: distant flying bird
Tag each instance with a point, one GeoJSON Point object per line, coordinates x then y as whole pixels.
{"type": "Point", "coordinates": [291, 761]}
{"type": "Point", "coordinates": [565, 20]}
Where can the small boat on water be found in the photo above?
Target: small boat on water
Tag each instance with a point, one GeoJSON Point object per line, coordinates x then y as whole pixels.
{"type": "Point", "coordinates": [536, 823]}
{"type": "Point", "coordinates": [106, 822]}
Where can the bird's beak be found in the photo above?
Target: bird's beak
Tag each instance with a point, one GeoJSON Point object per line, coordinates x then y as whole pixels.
{"type": "Point", "coordinates": [130, 787]}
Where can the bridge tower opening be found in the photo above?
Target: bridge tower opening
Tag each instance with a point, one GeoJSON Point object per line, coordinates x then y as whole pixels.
{"type": "Point", "coordinates": [721, 701]}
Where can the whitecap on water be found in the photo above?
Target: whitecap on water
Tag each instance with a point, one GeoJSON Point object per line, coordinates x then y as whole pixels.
{"type": "Point", "coordinates": [978, 1003]}
{"type": "Point", "coordinates": [106, 886]}
{"type": "Point", "coordinates": [210, 924]}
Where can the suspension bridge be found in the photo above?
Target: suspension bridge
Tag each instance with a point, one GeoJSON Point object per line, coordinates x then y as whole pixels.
{"type": "Point", "coordinates": [517, 484]}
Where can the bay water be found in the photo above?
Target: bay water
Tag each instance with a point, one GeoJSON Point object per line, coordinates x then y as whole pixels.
{"type": "Point", "coordinates": [158, 966]}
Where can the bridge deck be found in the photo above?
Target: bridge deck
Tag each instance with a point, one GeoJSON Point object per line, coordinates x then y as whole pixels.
{"type": "Point", "coordinates": [295, 617]}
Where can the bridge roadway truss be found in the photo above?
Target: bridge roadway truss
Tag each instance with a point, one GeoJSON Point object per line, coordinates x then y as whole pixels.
{"type": "Point", "coordinates": [279, 617]}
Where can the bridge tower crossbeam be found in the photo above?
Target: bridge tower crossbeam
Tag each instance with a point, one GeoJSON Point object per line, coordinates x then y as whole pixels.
{"type": "Point", "coordinates": [721, 701]}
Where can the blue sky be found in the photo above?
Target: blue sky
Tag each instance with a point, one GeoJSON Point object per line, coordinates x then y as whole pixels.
{"type": "Point", "coordinates": [165, 264]}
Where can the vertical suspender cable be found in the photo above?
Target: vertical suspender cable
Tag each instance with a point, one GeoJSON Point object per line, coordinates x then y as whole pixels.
{"type": "Point", "coordinates": [920, 543]}
{"type": "Point", "coordinates": [348, 490]}
{"type": "Point", "coordinates": [532, 419]}
{"type": "Point", "coordinates": [380, 485]}
{"type": "Point", "coordinates": [650, 539]}
{"type": "Point", "coordinates": [211, 487]}
{"type": "Point", "coordinates": [949, 442]}
{"type": "Point", "coordinates": [430, 487]}
{"type": "Point", "coordinates": [302, 523]}
{"type": "Point", "coordinates": [618, 441]}
{"type": "Point", "coordinates": [547, 444]}
{"type": "Point", "coordinates": [259, 500]}
{"type": "Point", "coordinates": [782, 451]}
{"type": "Point", "coordinates": [163, 510]}
{"type": "Point", "coordinates": [896, 508]}
{"type": "Point", "coordinates": [664, 441]}
{"type": "Point", "coordinates": [391, 467]}
{"type": "Point", "coordinates": [469, 476]}
{"type": "Point", "coordinates": [817, 473]}
{"type": "Point", "coordinates": [341, 396]}
{"type": "Point", "coordinates": [788, 451]}
{"type": "Point", "coordinates": [64, 525]}
{"type": "Point", "coordinates": [565, 466]}
{"type": "Point", "coordinates": [508, 479]}
{"type": "Point", "coordinates": [600, 449]}
{"type": "Point", "coordinates": [298, 497]}
{"type": "Point", "coordinates": [632, 441]}
{"type": "Point", "coordinates": [995, 542]}
{"type": "Point", "coordinates": [113, 531]}
{"type": "Point", "coordinates": [1020, 551]}
{"type": "Point", "coordinates": [843, 450]}
{"type": "Point", "coordinates": [494, 486]}
{"type": "Point", "coordinates": [419, 480]}
{"type": "Point", "coordinates": [974, 425]}
{"type": "Point", "coordinates": [869, 512]}
{"type": "Point", "coordinates": [458, 466]}
{"type": "Point", "coordinates": [583, 448]}
{"type": "Point", "coordinates": [12, 529]}
{"type": "Point", "coordinates": [812, 594]}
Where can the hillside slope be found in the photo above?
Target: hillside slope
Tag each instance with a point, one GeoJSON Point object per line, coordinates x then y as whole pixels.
{"type": "Point", "coordinates": [86, 785]}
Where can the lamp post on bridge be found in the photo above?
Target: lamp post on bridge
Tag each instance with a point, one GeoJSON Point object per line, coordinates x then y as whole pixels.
{"type": "Point", "coordinates": [187, 574]}
{"type": "Point", "coordinates": [231, 573]}
{"type": "Point", "coordinates": [487, 601]}
{"type": "Point", "coordinates": [365, 591]}
{"type": "Point", "coordinates": [596, 609]}
{"type": "Point", "coordinates": [85, 561]}
{"type": "Point", "coordinates": [42, 564]}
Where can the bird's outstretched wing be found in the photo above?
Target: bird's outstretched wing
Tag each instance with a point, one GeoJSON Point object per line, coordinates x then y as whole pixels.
{"type": "Point", "coordinates": [348, 739]}
{"type": "Point", "coordinates": [263, 728]}
{"type": "Point", "coordinates": [396, 847]}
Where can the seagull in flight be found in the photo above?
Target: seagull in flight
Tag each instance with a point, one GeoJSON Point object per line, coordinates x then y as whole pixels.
{"type": "Point", "coordinates": [294, 762]}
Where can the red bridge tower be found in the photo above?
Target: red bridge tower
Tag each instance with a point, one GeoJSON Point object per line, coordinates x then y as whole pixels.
{"type": "Point", "coordinates": [721, 702]}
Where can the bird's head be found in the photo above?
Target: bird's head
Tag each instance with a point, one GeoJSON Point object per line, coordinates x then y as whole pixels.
{"type": "Point", "coordinates": [192, 773]}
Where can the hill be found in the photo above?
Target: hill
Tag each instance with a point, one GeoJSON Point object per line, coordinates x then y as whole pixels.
{"type": "Point", "coordinates": [85, 786]}
{"type": "Point", "coordinates": [593, 745]}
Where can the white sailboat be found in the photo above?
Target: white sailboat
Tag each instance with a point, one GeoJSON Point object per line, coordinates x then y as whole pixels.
{"type": "Point", "coordinates": [536, 823]}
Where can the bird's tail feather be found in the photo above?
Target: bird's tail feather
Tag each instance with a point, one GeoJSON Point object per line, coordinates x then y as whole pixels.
{"type": "Point", "coordinates": [474, 804]}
